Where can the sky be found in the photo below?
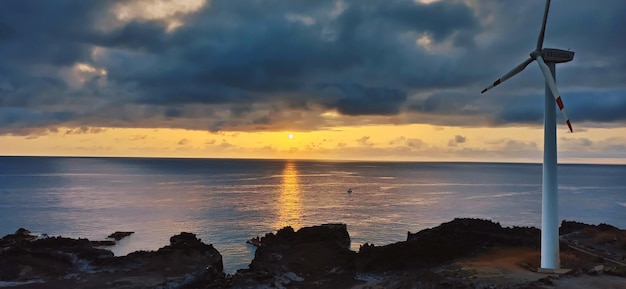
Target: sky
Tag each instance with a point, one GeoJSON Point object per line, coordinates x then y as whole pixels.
{"type": "Point", "coordinates": [325, 79]}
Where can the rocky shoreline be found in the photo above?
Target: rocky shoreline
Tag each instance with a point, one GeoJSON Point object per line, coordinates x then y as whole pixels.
{"type": "Point", "coordinates": [463, 253]}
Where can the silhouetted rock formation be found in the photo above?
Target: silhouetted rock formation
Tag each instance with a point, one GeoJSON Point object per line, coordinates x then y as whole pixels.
{"type": "Point", "coordinates": [444, 243]}
{"type": "Point", "coordinates": [118, 235]}
{"type": "Point", "coordinates": [316, 257]}
{"type": "Point", "coordinates": [103, 243]}
{"type": "Point", "coordinates": [21, 235]}
{"type": "Point", "coordinates": [572, 226]}
{"type": "Point", "coordinates": [318, 254]}
{"type": "Point", "coordinates": [74, 263]}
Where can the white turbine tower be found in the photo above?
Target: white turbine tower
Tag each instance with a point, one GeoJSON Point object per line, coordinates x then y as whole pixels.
{"type": "Point", "coordinates": [547, 58]}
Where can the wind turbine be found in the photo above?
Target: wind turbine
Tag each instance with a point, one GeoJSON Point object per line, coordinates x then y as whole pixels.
{"type": "Point", "coordinates": [547, 58]}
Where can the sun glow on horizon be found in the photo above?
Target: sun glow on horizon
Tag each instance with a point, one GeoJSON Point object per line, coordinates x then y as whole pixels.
{"type": "Point", "coordinates": [413, 142]}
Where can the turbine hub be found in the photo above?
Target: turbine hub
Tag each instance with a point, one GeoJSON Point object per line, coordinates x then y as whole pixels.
{"type": "Point", "coordinates": [535, 53]}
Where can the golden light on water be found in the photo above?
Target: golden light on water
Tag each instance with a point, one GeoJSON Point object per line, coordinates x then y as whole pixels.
{"type": "Point", "coordinates": [289, 200]}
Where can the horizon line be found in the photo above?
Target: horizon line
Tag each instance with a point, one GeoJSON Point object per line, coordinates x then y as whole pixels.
{"type": "Point", "coordinates": [362, 160]}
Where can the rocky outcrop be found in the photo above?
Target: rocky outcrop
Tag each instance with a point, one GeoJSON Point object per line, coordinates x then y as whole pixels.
{"type": "Point", "coordinates": [118, 235]}
{"type": "Point", "coordinates": [20, 236]}
{"type": "Point", "coordinates": [317, 255]}
{"type": "Point", "coordinates": [112, 239]}
{"type": "Point", "coordinates": [74, 263]}
{"type": "Point", "coordinates": [600, 242]}
{"type": "Point", "coordinates": [24, 258]}
{"type": "Point", "coordinates": [455, 239]}
{"type": "Point", "coordinates": [568, 227]}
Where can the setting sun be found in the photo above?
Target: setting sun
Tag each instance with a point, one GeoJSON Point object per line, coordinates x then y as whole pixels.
{"type": "Point", "coordinates": [290, 136]}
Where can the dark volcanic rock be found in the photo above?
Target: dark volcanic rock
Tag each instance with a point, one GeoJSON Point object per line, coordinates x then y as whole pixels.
{"type": "Point", "coordinates": [24, 234]}
{"type": "Point", "coordinates": [310, 248]}
{"type": "Point", "coordinates": [449, 241]}
{"type": "Point", "coordinates": [312, 255]}
{"type": "Point", "coordinates": [573, 226]}
{"type": "Point", "coordinates": [335, 235]}
{"type": "Point", "coordinates": [186, 260]}
{"type": "Point", "coordinates": [118, 235]}
{"type": "Point", "coordinates": [21, 235]}
{"type": "Point", "coordinates": [103, 243]}
{"type": "Point", "coordinates": [75, 263]}
{"type": "Point", "coordinates": [47, 258]}
{"type": "Point", "coordinates": [600, 241]}
{"type": "Point", "coordinates": [319, 257]}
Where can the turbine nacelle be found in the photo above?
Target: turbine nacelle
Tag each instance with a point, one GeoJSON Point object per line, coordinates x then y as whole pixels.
{"type": "Point", "coordinates": [554, 55]}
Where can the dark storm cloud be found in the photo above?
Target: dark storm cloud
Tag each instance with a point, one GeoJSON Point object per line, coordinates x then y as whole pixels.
{"type": "Point", "coordinates": [22, 121]}
{"type": "Point", "coordinates": [595, 106]}
{"type": "Point", "coordinates": [266, 53]}
{"type": "Point", "coordinates": [231, 52]}
{"type": "Point", "coordinates": [352, 99]}
{"type": "Point", "coordinates": [232, 58]}
{"type": "Point", "coordinates": [138, 36]}
{"type": "Point", "coordinates": [601, 105]}
{"type": "Point", "coordinates": [37, 32]}
{"type": "Point", "coordinates": [410, 17]}
{"type": "Point", "coordinates": [447, 103]}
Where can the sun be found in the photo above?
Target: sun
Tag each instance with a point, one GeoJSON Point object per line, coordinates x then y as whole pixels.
{"type": "Point", "coordinates": [290, 136]}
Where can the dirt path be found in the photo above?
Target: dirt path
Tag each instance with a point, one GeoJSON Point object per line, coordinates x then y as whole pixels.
{"type": "Point", "coordinates": [505, 267]}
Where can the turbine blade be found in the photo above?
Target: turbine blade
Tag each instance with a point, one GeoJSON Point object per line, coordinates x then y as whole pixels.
{"type": "Point", "coordinates": [510, 74]}
{"type": "Point", "coordinates": [555, 92]}
{"type": "Point", "coordinates": [543, 26]}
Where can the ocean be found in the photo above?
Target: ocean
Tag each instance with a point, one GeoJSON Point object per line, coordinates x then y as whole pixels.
{"type": "Point", "coordinates": [228, 201]}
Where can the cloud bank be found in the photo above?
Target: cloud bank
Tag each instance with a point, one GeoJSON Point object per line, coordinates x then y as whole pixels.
{"type": "Point", "coordinates": [300, 65]}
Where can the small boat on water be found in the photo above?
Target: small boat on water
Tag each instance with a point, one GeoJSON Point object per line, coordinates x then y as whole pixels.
{"type": "Point", "coordinates": [350, 191]}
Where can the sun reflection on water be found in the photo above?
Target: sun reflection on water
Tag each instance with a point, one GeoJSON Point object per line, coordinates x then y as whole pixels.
{"type": "Point", "coordinates": [289, 201]}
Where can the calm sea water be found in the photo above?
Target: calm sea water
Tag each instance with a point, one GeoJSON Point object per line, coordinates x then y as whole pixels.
{"type": "Point", "coordinates": [226, 202]}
